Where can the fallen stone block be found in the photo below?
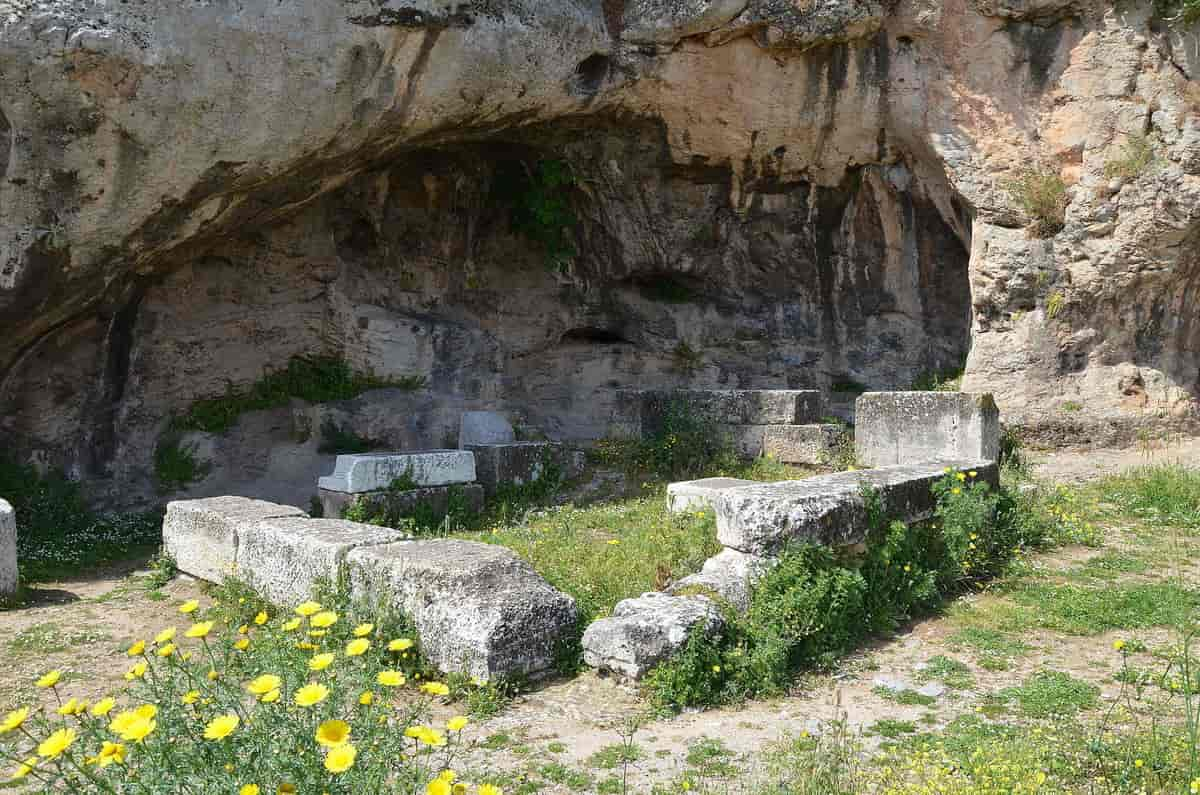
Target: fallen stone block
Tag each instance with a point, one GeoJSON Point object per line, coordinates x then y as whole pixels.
{"type": "Point", "coordinates": [813, 445]}
{"type": "Point", "coordinates": [202, 535]}
{"type": "Point", "coordinates": [517, 463]}
{"type": "Point", "coordinates": [8, 551]}
{"type": "Point", "coordinates": [829, 509]}
{"type": "Point", "coordinates": [284, 558]}
{"type": "Point", "coordinates": [912, 427]}
{"type": "Point", "coordinates": [643, 412]}
{"type": "Point", "coordinates": [698, 495]}
{"type": "Point", "coordinates": [644, 631]}
{"type": "Point", "coordinates": [479, 608]}
{"type": "Point", "coordinates": [730, 575]}
{"type": "Point", "coordinates": [358, 473]}
{"type": "Point", "coordinates": [484, 427]}
{"type": "Point", "coordinates": [435, 501]}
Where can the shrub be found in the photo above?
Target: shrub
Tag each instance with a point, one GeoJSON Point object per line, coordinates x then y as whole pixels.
{"type": "Point", "coordinates": [683, 447]}
{"type": "Point", "coordinates": [176, 465]}
{"type": "Point", "coordinates": [944, 380]}
{"type": "Point", "coordinates": [1137, 155]}
{"type": "Point", "coordinates": [539, 197]}
{"type": "Point", "coordinates": [303, 703]}
{"type": "Point", "coordinates": [1042, 195]}
{"type": "Point", "coordinates": [337, 439]}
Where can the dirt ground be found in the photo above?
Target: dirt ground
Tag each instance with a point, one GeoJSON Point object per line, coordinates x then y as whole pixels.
{"type": "Point", "coordinates": [82, 627]}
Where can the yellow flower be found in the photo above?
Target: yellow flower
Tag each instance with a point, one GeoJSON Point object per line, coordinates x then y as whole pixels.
{"type": "Point", "coordinates": [366, 698]}
{"type": "Point", "coordinates": [306, 646]}
{"type": "Point", "coordinates": [362, 630]}
{"type": "Point", "coordinates": [13, 720]}
{"type": "Point", "coordinates": [69, 708]}
{"type": "Point", "coordinates": [320, 662]}
{"type": "Point", "coordinates": [956, 490]}
{"type": "Point", "coordinates": [189, 606]}
{"type": "Point", "coordinates": [1138, 763]}
{"type": "Point", "coordinates": [27, 767]}
{"type": "Point", "coordinates": [324, 619]}
{"type": "Point", "coordinates": [973, 474]}
{"type": "Point", "coordinates": [488, 789]}
{"type": "Point", "coordinates": [341, 759]}
{"type": "Point", "coordinates": [400, 644]}
{"type": "Point", "coordinates": [961, 477]}
{"type": "Point", "coordinates": [103, 706]}
{"type": "Point", "coordinates": [135, 725]}
{"type": "Point", "coordinates": [221, 727]}
{"type": "Point", "coordinates": [357, 647]}
{"type": "Point", "coordinates": [270, 698]}
{"type": "Point", "coordinates": [242, 644]}
{"type": "Point", "coordinates": [166, 651]}
{"type": "Point", "coordinates": [136, 672]}
{"type": "Point", "coordinates": [111, 753]}
{"type": "Point", "coordinates": [317, 633]}
{"type": "Point", "coordinates": [50, 679]}
{"type": "Point", "coordinates": [244, 629]}
{"type": "Point", "coordinates": [200, 630]}
{"type": "Point", "coordinates": [311, 694]}
{"type": "Point", "coordinates": [457, 723]}
{"type": "Point", "coordinates": [390, 678]}
{"type": "Point", "coordinates": [435, 689]}
{"type": "Point", "coordinates": [137, 649]}
{"type": "Point", "coordinates": [1118, 644]}
{"type": "Point", "coordinates": [261, 618]}
{"type": "Point", "coordinates": [264, 684]}
{"type": "Point", "coordinates": [439, 786]}
{"type": "Point", "coordinates": [333, 733]}
{"type": "Point", "coordinates": [432, 737]}
{"type": "Point", "coordinates": [291, 625]}
{"type": "Point", "coordinates": [248, 789]}
{"type": "Point", "coordinates": [307, 609]}
{"type": "Point", "coordinates": [53, 746]}
{"type": "Point", "coordinates": [614, 541]}
{"type": "Point", "coordinates": [190, 697]}
{"type": "Point", "coordinates": [166, 635]}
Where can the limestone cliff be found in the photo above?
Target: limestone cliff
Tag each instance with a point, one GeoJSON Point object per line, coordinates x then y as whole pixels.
{"type": "Point", "coordinates": [532, 203]}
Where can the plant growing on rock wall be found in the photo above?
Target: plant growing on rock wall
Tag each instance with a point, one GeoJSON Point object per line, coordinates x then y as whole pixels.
{"type": "Point", "coordinates": [1042, 195]}
{"type": "Point", "coordinates": [1137, 155]}
{"type": "Point", "coordinates": [539, 196]}
{"type": "Point", "coordinates": [176, 466]}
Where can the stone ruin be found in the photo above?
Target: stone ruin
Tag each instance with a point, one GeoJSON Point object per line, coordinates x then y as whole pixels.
{"type": "Point", "coordinates": [481, 609]}
{"type": "Point", "coordinates": [909, 437]}
{"type": "Point", "coordinates": [8, 551]}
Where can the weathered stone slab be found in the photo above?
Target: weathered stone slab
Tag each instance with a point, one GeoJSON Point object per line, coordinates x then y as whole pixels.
{"type": "Point", "coordinates": [8, 550]}
{"type": "Point", "coordinates": [642, 412]}
{"type": "Point", "coordinates": [434, 501]}
{"type": "Point", "coordinates": [912, 427]}
{"type": "Point", "coordinates": [729, 574]}
{"type": "Point", "coordinates": [284, 558]}
{"type": "Point", "coordinates": [355, 474]}
{"type": "Point", "coordinates": [697, 495]}
{"type": "Point", "coordinates": [516, 463]}
{"type": "Point", "coordinates": [813, 445]}
{"type": "Point", "coordinates": [644, 631]}
{"type": "Point", "coordinates": [484, 427]}
{"type": "Point", "coordinates": [202, 535]}
{"type": "Point", "coordinates": [828, 509]}
{"type": "Point", "coordinates": [479, 608]}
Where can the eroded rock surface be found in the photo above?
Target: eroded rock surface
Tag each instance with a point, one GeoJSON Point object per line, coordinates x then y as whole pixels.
{"type": "Point", "coordinates": [758, 194]}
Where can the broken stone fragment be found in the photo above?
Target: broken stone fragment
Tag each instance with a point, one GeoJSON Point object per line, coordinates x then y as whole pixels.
{"type": "Point", "coordinates": [730, 575]}
{"type": "Point", "coordinates": [646, 630]}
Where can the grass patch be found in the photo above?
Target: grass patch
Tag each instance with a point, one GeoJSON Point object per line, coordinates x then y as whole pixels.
{"type": "Point", "coordinates": [1108, 565]}
{"type": "Point", "coordinates": [316, 379]}
{"type": "Point", "coordinates": [906, 697]}
{"type": "Point", "coordinates": [993, 649]}
{"type": "Point", "coordinates": [1042, 195]}
{"type": "Point", "coordinates": [1080, 610]}
{"type": "Point", "coordinates": [1051, 694]}
{"type": "Point", "coordinates": [49, 638]}
{"type": "Point", "coordinates": [1166, 495]}
{"type": "Point", "coordinates": [891, 728]}
{"type": "Point", "coordinates": [946, 380]}
{"type": "Point", "coordinates": [950, 672]}
{"type": "Point", "coordinates": [616, 755]}
{"type": "Point", "coordinates": [1136, 158]}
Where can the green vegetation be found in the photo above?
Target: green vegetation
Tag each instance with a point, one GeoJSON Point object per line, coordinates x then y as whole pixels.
{"type": "Point", "coordinates": [1071, 406]}
{"type": "Point", "coordinates": [1185, 12]}
{"type": "Point", "coordinates": [905, 697]}
{"type": "Point", "coordinates": [1137, 156]}
{"type": "Point", "coordinates": [1160, 496]}
{"type": "Point", "coordinates": [176, 466]}
{"type": "Point", "coordinates": [950, 672]}
{"type": "Point", "coordinates": [538, 195]}
{"type": "Point", "coordinates": [1042, 195]}
{"type": "Point", "coordinates": [1054, 304]}
{"type": "Point", "coordinates": [1049, 694]}
{"type": "Point", "coordinates": [59, 536]}
{"type": "Point", "coordinates": [685, 359]}
{"type": "Point", "coordinates": [316, 379]}
{"type": "Point", "coordinates": [341, 439]}
{"type": "Point", "coordinates": [848, 385]}
{"type": "Point", "coordinates": [945, 380]}
{"type": "Point", "coordinates": [1085, 610]}
{"type": "Point", "coordinates": [683, 447]}
{"type": "Point", "coordinates": [891, 728]}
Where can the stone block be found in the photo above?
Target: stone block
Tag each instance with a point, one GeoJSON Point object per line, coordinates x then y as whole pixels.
{"type": "Point", "coordinates": [644, 631]}
{"type": "Point", "coordinates": [913, 427]}
{"type": "Point", "coordinates": [202, 535]}
{"type": "Point", "coordinates": [730, 575]}
{"type": "Point", "coordinates": [698, 495]}
{"type": "Point", "coordinates": [355, 474]}
{"type": "Point", "coordinates": [479, 608]}
{"type": "Point", "coordinates": [813, 445]}
{"type": "Point", "coordinates": [435, 501]}
{"type": "Point", "coordinates": [517, 463]}
{"type": "Point", "coordinates": [829, 509]}
{"type": "Point", "coordinates": [484, 427]}
{"type": "Point", "coordinates": [284, 558]}
{"type": "Point", "coordinates": [8, 551]}
{"type": "Point", "coordinates": [642, 412]}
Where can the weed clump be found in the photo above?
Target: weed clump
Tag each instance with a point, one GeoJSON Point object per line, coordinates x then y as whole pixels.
{"type": "Point", "coordinates": [1042, 195]}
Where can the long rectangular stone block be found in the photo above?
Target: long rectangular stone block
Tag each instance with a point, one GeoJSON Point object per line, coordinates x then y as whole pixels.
{"type": "Point", "coordinates": [202, 535]}
{"type": "Point", "coordinates": [358, 473]}
{"type": "Point", "coordinates": [643, 412]}
{"type": "Point", "coordinates": [812, 445]}
{"type": "Point", "coordinates": [435, 500]}
{"type": "Point", "coordinates": [911, 427]}
{"type": "Point", "coordinates": [829, 509]}
{"type": "Point", "coordinates": [8, 551]}
{"type": "Point", "coordinates": [284, 558]}
{"type": "Point", "coordinates": [479, 608]}
{"type": "Point", "coordinates": [698, 495]}
{"type": "Point", "coordinates": [516, 463]}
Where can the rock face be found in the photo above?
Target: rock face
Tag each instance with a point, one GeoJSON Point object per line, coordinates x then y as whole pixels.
{"type": "Point", "coordinates": [8, 551]}
{"type": "Point", "coordinates": [532, 204]}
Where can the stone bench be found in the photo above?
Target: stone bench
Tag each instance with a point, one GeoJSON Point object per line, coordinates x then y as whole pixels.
{"type": "Point", "coordinates": [363, 472]}
{"type": "Point", "coordinates": [202, 535]}
{"type": "Point", "coordinates": [8, 551]}
{"type": "Point", "coordinates": [478, 608]}
{"type": "Point", "coordinates": [912, 427]}
{"type": "Point", "coordinates": [699, 495]}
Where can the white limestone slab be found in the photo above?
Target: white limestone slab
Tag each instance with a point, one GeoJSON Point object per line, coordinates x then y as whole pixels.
{"type": "Point", "coordinates": [8, 550]}
{"type": "Point", "coordinates": [358, 473]}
